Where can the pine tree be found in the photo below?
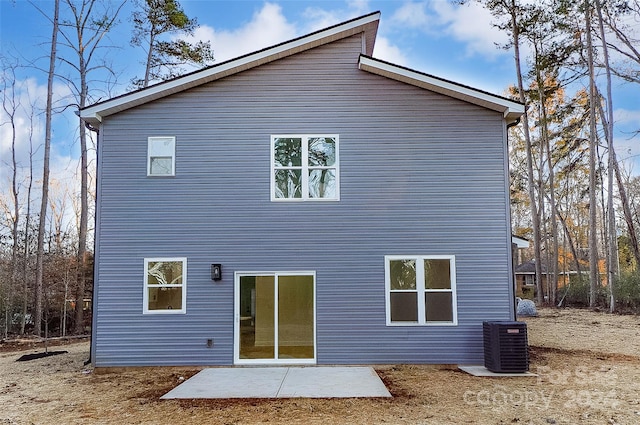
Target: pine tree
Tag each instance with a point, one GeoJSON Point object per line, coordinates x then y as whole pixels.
{"type": "Point", "coordinates": [165, 58]}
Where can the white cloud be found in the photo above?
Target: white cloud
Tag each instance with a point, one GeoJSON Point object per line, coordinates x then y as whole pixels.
{"type": "Point", "coordinates": [626, 124]}
{"type": "Point", "coordinates": [627, 116]}
{"type": "Point", "coordinates": [359, 6]}
{"type": "Point", "coordinates": [25, 96]}
{"type": "Point", "coordinates": [29, 100]}
{"type": "Point", "coordinates": [386, 51]}
{"type": "Point", "coordinates": [628, 24]}
{"type": "Point", "coordinates": [412, 15]}
{"type": "Point", "coordinates": [317, 18]}
{"type": "Point", "coordinates": [628, 153]}
{"type": "Point", "coordinates": [267, 27]}
{"type": "Point", "coordinates": [471, 24]}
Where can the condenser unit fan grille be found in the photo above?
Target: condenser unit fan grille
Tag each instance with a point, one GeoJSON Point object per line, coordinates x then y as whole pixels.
{"type": "Point", "coordinates": [505, 347]}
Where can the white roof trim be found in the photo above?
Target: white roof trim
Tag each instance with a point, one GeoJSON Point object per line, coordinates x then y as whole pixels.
{"type": "Point", "coordinates": [510, 109]}
{"type": "Point", "coordinates": [367, 24]}
{"type": "Point", "coordinates": [519, 242]}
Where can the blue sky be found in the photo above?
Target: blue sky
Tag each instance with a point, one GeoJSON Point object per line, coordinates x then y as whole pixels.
{"type": "Point", "coordinates": [434, 36]}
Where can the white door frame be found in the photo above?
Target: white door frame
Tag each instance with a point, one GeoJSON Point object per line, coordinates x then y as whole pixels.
{"type": "Point", "coordinates": [236, 320]}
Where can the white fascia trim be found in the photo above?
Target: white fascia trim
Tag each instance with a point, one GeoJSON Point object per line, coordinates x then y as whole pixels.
{"type": "Point", "coordinates": [95, 114]}
{"type": "Point", "coordinates": [519, 242]}
{"type": "Point", "coordinates": [511, 110]}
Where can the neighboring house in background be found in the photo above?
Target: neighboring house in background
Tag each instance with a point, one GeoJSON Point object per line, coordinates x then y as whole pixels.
{"type": "Point", "coordinates": [525, 274]}
{"type": "Point", "coordinates": [518, 245]}
{"type": "Point", "coordinates": [306, 203]}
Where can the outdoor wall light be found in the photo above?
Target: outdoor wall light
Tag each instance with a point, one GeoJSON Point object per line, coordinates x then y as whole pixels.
{"type": "Point", "coordinates": [216, 272]}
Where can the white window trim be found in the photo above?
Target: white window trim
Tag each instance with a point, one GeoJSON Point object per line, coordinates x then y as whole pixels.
{"type": "Point", "coordinates": [305, 168]}
{"type": "Point", "coordinates": [422, 321]}
{"type": "Point", "coordinates": [145, 293]}
{"type": "Point", "coordinates": [173, 156]}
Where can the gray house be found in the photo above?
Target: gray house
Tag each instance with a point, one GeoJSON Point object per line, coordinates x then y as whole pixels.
{"type": "Point", "coordinates": [303, 204]}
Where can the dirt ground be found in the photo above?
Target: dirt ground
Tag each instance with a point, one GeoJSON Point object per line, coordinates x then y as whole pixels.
{"type": "Point", "coordinates": [588, 366]}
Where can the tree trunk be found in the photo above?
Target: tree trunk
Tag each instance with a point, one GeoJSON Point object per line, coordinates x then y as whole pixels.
{"type": "Point", "coordinates": [27, 225]}
{"type": "Point", "coordinates": [613, 245]}
{"type": "Point", "coordinates": [544, 242]}
{"type": "Point", "coordinates": [593, 236]}
{"type": "Point", "coordinates": [147, 71]}
{"type": "Point", "coordinates": [84, 203]}
{"type": "Point", "coordinates": [572, 246]}
{"type": "Point", "coordinates": [626, 209]}
{"type": "Point", "coordinates": [45, 174]}
{"type": "Point", "coordinates": [552, 263]}
{"type": "Point", "coordinates": [535, 217]}
{"type": "Point", "coordinates": [89, 26]}
{"type": "Point", "coordinates": [14, 229]}
{"type": "Point", "coordinates": [82, 233]}
{"type": "Point", "coordinates": [10, 106]}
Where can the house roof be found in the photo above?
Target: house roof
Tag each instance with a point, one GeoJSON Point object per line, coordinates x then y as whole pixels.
{"type": "Point", "coordinates": [529, 267]}
{"type": "Point", "coordinates": [510, 109]}
{"type": "Point", "coordinates": [367, 24]}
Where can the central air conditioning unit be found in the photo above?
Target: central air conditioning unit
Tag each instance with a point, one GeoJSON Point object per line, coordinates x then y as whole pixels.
{"type": "Point", "coordinates": [505, 347]}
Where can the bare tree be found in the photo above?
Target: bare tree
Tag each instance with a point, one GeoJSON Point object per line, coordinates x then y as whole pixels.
{"type": "Point", "coordinates": [612, 264]}
{"type": "Point", "coordinates": [83, 34]}
{"type": "Point", "coordinates": [626, 45]}
{"type": "Point", "coordinates": [593, 223]}
{"type": "Point", "coordinates": [10, 106]}
{"type": "Point", "coordinates": [513, 13]}
{"type": "Point", "coordinates": [627, 41]}
{"type": "Point", "coordinates": [45, 171]}
{"type": "Point", "coordinates": [552, 263]}
{"type": "Point", "coordinates": [512, 9]}
{"type": "Point", "coordinates": [27, 226]}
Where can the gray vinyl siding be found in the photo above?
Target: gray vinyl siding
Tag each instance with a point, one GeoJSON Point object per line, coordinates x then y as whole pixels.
{"type": "Point", "coordinates": [420, 173]}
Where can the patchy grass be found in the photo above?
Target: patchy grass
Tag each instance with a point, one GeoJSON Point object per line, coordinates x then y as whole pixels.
{"type": "Point", "coordinates": [588, 366]}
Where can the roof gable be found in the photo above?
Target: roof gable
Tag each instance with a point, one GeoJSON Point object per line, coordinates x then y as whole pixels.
{"type": "Point", "coordinates": [368, 25]}
{"type": "Point", "coordinates": [510, 109]}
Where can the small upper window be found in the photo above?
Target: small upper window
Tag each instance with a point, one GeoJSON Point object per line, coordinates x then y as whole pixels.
{"type": "Point", "coordinates": [161, 156]}
{"type": "Point", "coordinates": [165, 285]}
{"type": "Point", "coordinates": [420, 290]}
{"type": "Point", "coordinates": [304, 168]}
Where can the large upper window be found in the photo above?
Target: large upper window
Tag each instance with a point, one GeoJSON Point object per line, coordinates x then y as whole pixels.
{"type": "Point", "coordinates": [161, 156]}
{"type": "Point", "coordinates": [304, 168]}
{"type": "Point", "coordinates": [420, 290]}
{"type": "Point", "coordinates": [165, 285]}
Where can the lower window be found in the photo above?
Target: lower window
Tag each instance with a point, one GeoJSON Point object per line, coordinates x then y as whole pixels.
{"type": "Point", "coordinates": [420, 290]}
{"type": "Point", "coordinates": [165, 285]}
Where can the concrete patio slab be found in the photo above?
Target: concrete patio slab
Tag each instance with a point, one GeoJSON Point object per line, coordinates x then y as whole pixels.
{"type": "Point", "coordinates": [330, 382]}
{"type": "Point", "coordinates": [231, 383]}
{"type": "Point", "coordinates": [282, 382]}
{"type": "Point", "coordinates": [483, 371]}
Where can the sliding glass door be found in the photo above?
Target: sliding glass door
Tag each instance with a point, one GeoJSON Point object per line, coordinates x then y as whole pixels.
{"type": "Point", "coordinates": [275, 318]}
